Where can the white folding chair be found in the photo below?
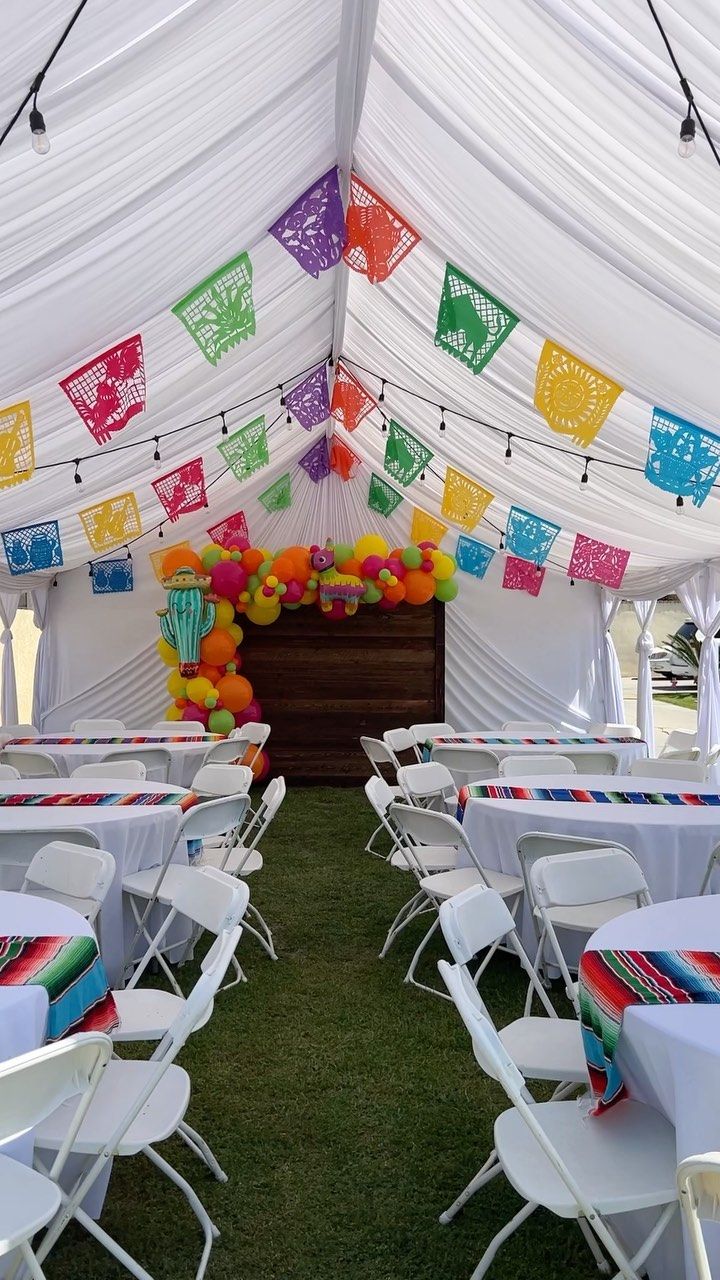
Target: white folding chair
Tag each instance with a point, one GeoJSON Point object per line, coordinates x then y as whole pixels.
{"type": "Point", "coordinates": [420, 827]}
{"type": "Point", "coordinates": [214, 779]}
{"type": "Point", "coordinates": [7, 771]}
{"type": "Point", "coordinates": [467, 764]}
{"type": "Point", "coordinates": [680, 745]}
{"type": "Point", "coordinates": [73, 874]}
{"type": "Point", "coordinates": [698, 1180]}
{"type": "Point", "coordinates": [99, 728]}
{"type": "Point", "coordinates": [555, 1159]}
{"type": "Point", "coordinates": [18, 848]}
{"type": "Point", "coordinates": [601, 729]}
{"type": "Point", "coordinates": [434, 729]}
{"type": "Point", "coordinates": [32, 1086]}
{"type": "Point", "coordinates": [429, 785]}
{"type": "Point", "coordinates": [133, 769]}
{"type": "Point", "coordinates": [137, 1105]}
{"type": "Point", "coordinates": [527, 766]}
{"type": "Point", "coordinates": [20, 730]}
{"type": "Point", "coordinates": [378, 753]}
{"type": "Point", "coordinates": [253, 734]}
{"type": "Point", "coordinates": [672, 769]}
{"type": "Point", "coordinates": [566, 889]}
{"type": "Point", "coordinates": [181, 728]}
{"type": "Point", "coordinates": [399, 742]}
{"type": "Point", "coordinates": [605, 762]}
{"type": "Point", "coordinates": [30, 764]}
{"type": "Point", "coordinates": [157, 760]}
{"type": "Point", "coordinates": [530, 728]}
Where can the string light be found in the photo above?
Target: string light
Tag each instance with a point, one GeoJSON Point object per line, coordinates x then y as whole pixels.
{"type": "Point", "coordinates": [508, 451]}
{"type": "Point", "coordinates": [381, 397]}
{"type": "Point", "coordinates": [38, 132]}
{"type": "Point", "coordinates": [384, 424]}
{"type": "Point", "coordinates": [223, 423]}
{"type": "Point", "coordinates": [90, 570]}
{"type": "Point", "coordinates": [129, 552]}
{"type": "Point", "coordinates": [331, 361]}
{"type": "Point", "coordinates": [584, 479]}
{"type": "Point", "coordinates": [572, 582]}
{"type": "Point", "coordinates": [502, 541]}
{"type": "Point", "coordinates": [686, 145]}
{"type": "Point", "coordinates": [422, 474]}
{"type": "Point", "coordinates": [282, 396]}
{"type": "Point", "coordinates": [40, 140]}
{"type": "Point", "coordinates": [442, 418]}
{"type": "Point", "coordinates": [160, 531]}
{"type": "Point", "coordinates": [77, 477]}
{"type": "Point", "coordinates": [679, 504]}
{"type": "Point", "coordinates": [156, 455]}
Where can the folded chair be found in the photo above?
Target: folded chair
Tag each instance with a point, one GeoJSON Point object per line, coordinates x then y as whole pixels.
{"type": "Point", "coordinates": [401, 742]}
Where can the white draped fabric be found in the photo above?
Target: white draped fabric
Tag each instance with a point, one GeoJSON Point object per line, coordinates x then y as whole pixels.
{"type": "Point", "coordinates": [701, 598]}
{"type": "Point", "coordinates": [612, 679]}
{"type": "Point", "coordinates": [644, 645]}
{"type": "Point", "coordinates": [9, 601]}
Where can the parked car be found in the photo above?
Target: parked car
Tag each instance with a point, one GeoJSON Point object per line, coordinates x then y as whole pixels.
{"type": "Point", "coordinates": [678, 658]}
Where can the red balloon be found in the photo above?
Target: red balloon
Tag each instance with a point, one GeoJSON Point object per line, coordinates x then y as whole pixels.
{"type": "Point", "coordinates": [195, 712]}
{"type": "Point", "coordinates": [253, 711]}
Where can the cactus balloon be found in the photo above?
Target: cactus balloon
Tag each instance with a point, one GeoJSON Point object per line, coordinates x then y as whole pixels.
{"type": "Point", "coordinates": [188, 616]}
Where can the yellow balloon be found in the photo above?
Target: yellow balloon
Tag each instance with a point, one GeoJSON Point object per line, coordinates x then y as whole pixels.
{"type": "Point", "coordinates": [236, 632]}
{"type": "Point", "coordinates": [176, 685]}
{"type": "Point", "coordinates": [224, 613]}
{"type": "Point", "coordinates": [262, 601]}
{"type": "Point", "coordinates": [211, 546]}
{"type": "Point", "coordinates": [167, 653]}
{"type": "Point", "coordinates": [198, 688]}
{"type": "Point", "coordinates": [173, 713]}
{"type": "Point", "coordinates": [443, 568]}
{"type": "Point", "coordinates": [372, 544]}
{"type": "Point", "coordinates": [263, 617]}
{"type": "Point", "coordinates": [308, 597]}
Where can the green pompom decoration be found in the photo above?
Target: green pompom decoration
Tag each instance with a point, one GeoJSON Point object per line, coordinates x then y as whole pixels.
{"type": "Point", "coordinates": [343, 552]}
{"type": "Point", "coordinates": [221, 722]}
{"type": "Point", "coordinates": [372, 593]}
{"type": "Point", "coordinates": [412, 557]}
{"type": "Point", "coordinates": [446, 590]}
{"type": "Point", "coordinates": [265, 569]}
{"type": "Point", "coordinates": [210, 558]}
{"type": "Point", "coordinates": [253, 583]}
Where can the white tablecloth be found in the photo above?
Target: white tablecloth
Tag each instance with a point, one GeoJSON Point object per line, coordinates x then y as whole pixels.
{"type": "Point", "coordinates": [137, 836]}
{"type": "Point", "coordinates": [669, 1056]}
{"type": "Point", "coordinates": [185, 758]}
{"type": "Point", "coordinates": [625, 751]}
{"type": "Point", "coordinates": [672, 843]}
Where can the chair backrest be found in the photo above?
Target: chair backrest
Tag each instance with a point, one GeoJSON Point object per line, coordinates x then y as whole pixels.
{"type": "Point", "coordinates": [157, 760]}
{"type": "Point", "coordinates": [7, 771]}
{"type": "Point", "coordinates": [530, 728]}
{"type": "Point", "coordinates": [183, 728]}
{"type": "Point", "coordinates": [222, 780]}
{"type": "Point", "coordinates": [380, 794]}
{"type": "Point", "coordinates": [230, 751]}
{"type": "Point", "coordinates": [400, 740]}
{"type": "Point", "coordinates": [435, 729]}
{"type": "Point", "coordinates": [587, 876]}
{"type": "Point", "coordinates": [215, 901]}
{"type": "Point", "coordinates": [99, 727]}
{"type": "Point", "coordinates": [73, 874]}
{"type": "Point", "coordinates": [535, 845]}
{"type": "Point", "coordinates": [378, 754]}
{"type": "Point", "coordinates": [603, 729]}
{"type": "Point", "coordinates": [698, 1179]}
{"type": "Point", "coordinates": [525, 766]}
{"type": "Point", "coordinates": [467, 764]}
{"type": "Point", "coordinates": [427, 826]}
{"type": "Point", "coordinates": [594, 761]}
{"type": "Point", "coordinates": [270, 801]}
{"type": "Point", "coordinates": [30, 764]}
{"type": "Point", "coordinates": [134, 769]}
{"type": "Point", "coordinates": [18, 848]}
{"type": "Point", "coordinates": [682, 744]}
{"type": "Point", "coordinates": [682, 770]}
{"type": "Point", "coordinates": [212, 817]}
{"type": "Point", "coordinates": [20, 730]}
{"type": "Point", "coordinates": [430, 783]}
{"type": "Point", "coordinates": [254, 732]}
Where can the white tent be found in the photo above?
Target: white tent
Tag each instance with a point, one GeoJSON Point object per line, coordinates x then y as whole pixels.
{"type": "Point", "coordinates": [532, 144]}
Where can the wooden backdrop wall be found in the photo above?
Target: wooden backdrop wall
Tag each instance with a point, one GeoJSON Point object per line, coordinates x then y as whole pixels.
{"type": "Point", "coordinates": [323, 684]}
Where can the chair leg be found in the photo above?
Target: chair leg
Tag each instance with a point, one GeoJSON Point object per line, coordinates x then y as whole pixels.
{"type": "Point", "coordinates": [510, 1227]}
{"type": "Point", "coordinates": [370, 846]}
{"type": "Point", "coordinates": [197, 1143]}
{"type": "Point", "coordinates": [490, 1170]}
{"type": "Point", "coordinates": [31, 1261]}
{"type": "Point", "coordinates": [209, 1230]}
{"type": "Point", "coordinates": [262, 933]}
{"type": "Point", "coordinates": [403, 917]}
{"type": "Point", "coordinates": [593, 1245]}
{"type": "Point", "coordinates": [410, 975]}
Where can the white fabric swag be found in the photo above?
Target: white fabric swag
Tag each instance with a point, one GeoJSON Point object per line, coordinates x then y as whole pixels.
{"type": "Point", "coordinates": [644, 645]}
{"type": "Point", "coordinates": [701, 598]}
{"type": "Point", "coordinates": [614, 701]}
{"type": "Point", "coordinates": [9, 601]}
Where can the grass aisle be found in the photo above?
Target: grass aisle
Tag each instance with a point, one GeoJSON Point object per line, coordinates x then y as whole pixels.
{"type": "Point", "coordinates": [346, 1107]}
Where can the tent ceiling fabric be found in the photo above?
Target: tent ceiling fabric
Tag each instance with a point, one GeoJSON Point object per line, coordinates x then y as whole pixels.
{"type": "Point", "coordinates": [533, 144]}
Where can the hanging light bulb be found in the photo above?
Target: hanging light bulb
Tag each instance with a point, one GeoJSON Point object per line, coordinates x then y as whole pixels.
{"type": "Point", "coordinates": [508, 451]}
{"type": "Point", "coordinates": [572, 582]}
{"type": "Point", "coordinates": [679, 504]}
{"type": "Point", "coordinates": [584, 479]}
{"type": "Point", "coordinates": [686, 145]}
{"type": "Point", "coordinates": [282, 396]}
{"type": "Point", "coordinates": [502, 541]}
{"type": "Point", "coordinates": [384, 424]}
{"type": "Point", "coordinates": [40, 140]}
{"type": "Point", "coordinates": [381, 397]}
{"type": "Point", "coordinates": [90, 569]}
{"type": "Point", "coordinates": [331, 361]}
{"type": "Point", "coordinates": [77, 477]}
{"type": "Point", "coordinates": [129, 552]}
{"type": "Point", "coordinates": [223, 426]}
{"type": "Point", "coordinates": [160, 531]}
{"type": "Point", "coordinates": [443, 424]}
{"type": "Point", "coordinates": [288, 420]}
{"type": "Point", "coordinates": [156, 455]}
{"type": "Point", "coordinates": [422, 474]}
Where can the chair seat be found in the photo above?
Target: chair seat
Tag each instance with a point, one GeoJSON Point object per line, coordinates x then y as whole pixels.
{"type": "Point", "coordinates": [589, 917]}
{"type": "Point", "coordinates": [214, 858]}
{"type": "Point", "coordinates": [146, 1014]}
{"type": "Point", "coordinates": [624, 1160]}
{"type": "Point", "coordinates": [122, 1081]}
{"type": "Point", "coordinates": [141, 884]}
{"type": "Point", "coordinates": [546, 1048]}
{"type": "Point", "coordinates": [448, 883]}
{"type": "Point", "coordinates": [28, 1201]}
{"type": "Point", "coordinates": [433, 858]}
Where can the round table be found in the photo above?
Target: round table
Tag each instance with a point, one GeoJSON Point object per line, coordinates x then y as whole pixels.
{"type": "Point", "coordinates": [138, 836]}
{"type": "Point", "coordinates": [669, 1055]}
{"type": "Point", "coordinates": [185, 757]}
{"type": "Point", "coordinates": [625, 751]}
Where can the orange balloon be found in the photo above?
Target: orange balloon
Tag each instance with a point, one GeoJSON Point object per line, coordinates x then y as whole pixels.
{"type": "Point", "coordinates": [235, 692]}
{"type": "Point", "coordinates": [351, 566]}
{"type": "Point", "coordinates": [254, 759]}
{"type": "Point", "coordinates": [397, 593]}
{"type": "Point", "coordinates": [252, 559]}
{"type": "Point", "coordinates": [212, 674]}
{"type": "Point", "coordinates": [396, 553]}
{"type": "Point", "coordinates": [283, 568]}
{"type": "Point", "coordinates": [218, 647]}
{"type": "Point", "coordinates": [300, 557]}
{"type": "Point", "coordinates": [419, 586]}
{"type": "Point", "coordinates": [179, 557]}
{"type": "Point", "coordinates": [180, 703]}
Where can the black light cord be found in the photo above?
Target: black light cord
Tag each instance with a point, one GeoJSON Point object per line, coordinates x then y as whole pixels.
{"type": "Point", "coordinates": [37, 82]}
{"type": "Point", "coordinates": [687, 91]}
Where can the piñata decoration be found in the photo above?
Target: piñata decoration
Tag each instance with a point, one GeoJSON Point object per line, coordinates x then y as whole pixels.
{"type": "Point", "coordinates": [472, 556]}
{"type": "Point", "coordinates": [110, 577]}
{"type": "Point", "coordinates": [682, 458]}
{"type": "Point", "coordinates": [316, 462]}
{"type": "Point", "coordinates": [343, 461]}
{"type": "Point", "coordinates": [231, 531]}
{"type": "Point", "coordinates": [219, 313]}
{"type": "Point", "coordinates": [309, 401]}
{"type": "Point", "coordinates": [377, 237]}
{"type": "Point", "coordinates": [471, 324]}
{"type": "Point", "coordinates": [464, 501]}
{"type": "Point", "coordinates": [17, 448]}
{"type": "Point", "coordinates": [405, 455]}
{"type": "Point", "coordinates": [279, 496]}
{"type": "Point", "coordinates": [426, 528]}
{"type": "Point", "coordinates": [110, 389]}
{"type": "Point", "coordinates": [157, 558]}
{"type": "Point", "coordinates": [573, 398]}
{"type": "Point", "coordinates": [313, 228]}
{"type": "Point", "coordinates": [382, 497]}
{"type": "Point", "coordinates": [350, 401]}
{"type": "Point", "coordinates": [183, 490]}
{"type": "Point", "coordinates": [336, 590]}
{"type": "Point", "coordinates": [108, 524]}
{"type": "Point", "coordinates": [529, 536]}
{"type": "Point", "coordinates": [596, 561]}
{"type": "Point", "coordinates": [522, 575]}
{"type": "Point", "coordinates": [33, 548]}
{"type": "Point", "coordinates": [246, 451]}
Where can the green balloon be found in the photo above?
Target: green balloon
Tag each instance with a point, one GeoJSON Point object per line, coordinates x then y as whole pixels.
{"type": "Point", "coordinates": [236, 555]}
{"type": "Point", "coordinates": [291, 606]}
{"type": "Point", "coordinates": [412, 557]}
{"type": "Point", "coordinates": [221, 722]}
{"type": "Point", "coordinates": [281, 588]}
{"type": "Point", "coordinates": [343, 552]}
{"type": "Point", "coordinates": [265, 569]}
{"type": "Point", "coordinates": [211, 558]}
{"type": "Point", "coordinates": [312, 584]}
{"type": "Point", "coordinates": [253, 583]}
{"type": "Point", "coordinates": [372, 593]}
{"type": "Point", "coordinates": [446, 590]}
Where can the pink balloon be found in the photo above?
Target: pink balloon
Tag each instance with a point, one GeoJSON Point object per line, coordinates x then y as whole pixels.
{"type": "Point", "coordinates": [228, 578]}
{"type": "Point", "coordinates": [195, 712]}
{"type": "Point", "coordinates": [427, 546]}
{"type": "Point", "coordinates": [336, 613]}
{"type": "Point", "coordinates": [294, 593]}
{"type": "Point", "coordinates": [386, 604]}
{"type": "Point", "coordinates": [372, 565]}
{"type": "Point", "coordinates": [397, 567]}
{"type": "Point", "coordinates": [253, 711]}
{"type": "Point", "coordinates": [427, 566]}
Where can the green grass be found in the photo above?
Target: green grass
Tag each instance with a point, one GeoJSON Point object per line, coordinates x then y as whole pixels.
{"type": "Point", "coordinates": [688, 700]}
{"type": "Point", "coordinates": [346, 1107]}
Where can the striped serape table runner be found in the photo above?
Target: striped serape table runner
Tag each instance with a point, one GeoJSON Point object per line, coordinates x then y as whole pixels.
{"type": "Point", "coordinates": [578, 795]}
{"type": "Point", "coordinates": [610, 981]}
{"type": "Point", "coordinates": [44, 799]}
{"type": "Point", "coordinates": [73, 975]}
{"type": "Point", "coordinates": [476, 740]}
{"type": "Point", "coordinates": [123, 741]}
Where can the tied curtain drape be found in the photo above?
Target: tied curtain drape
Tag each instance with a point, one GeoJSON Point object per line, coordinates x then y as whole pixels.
{"type": "Point", "coordinates": [644, 645]}
{"type": "Point", "coordinates": [701, 597]}
{"type": "Point", "coordinates": [9, 601]}
{"type": "Point", "coordinates": [612, 679]}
